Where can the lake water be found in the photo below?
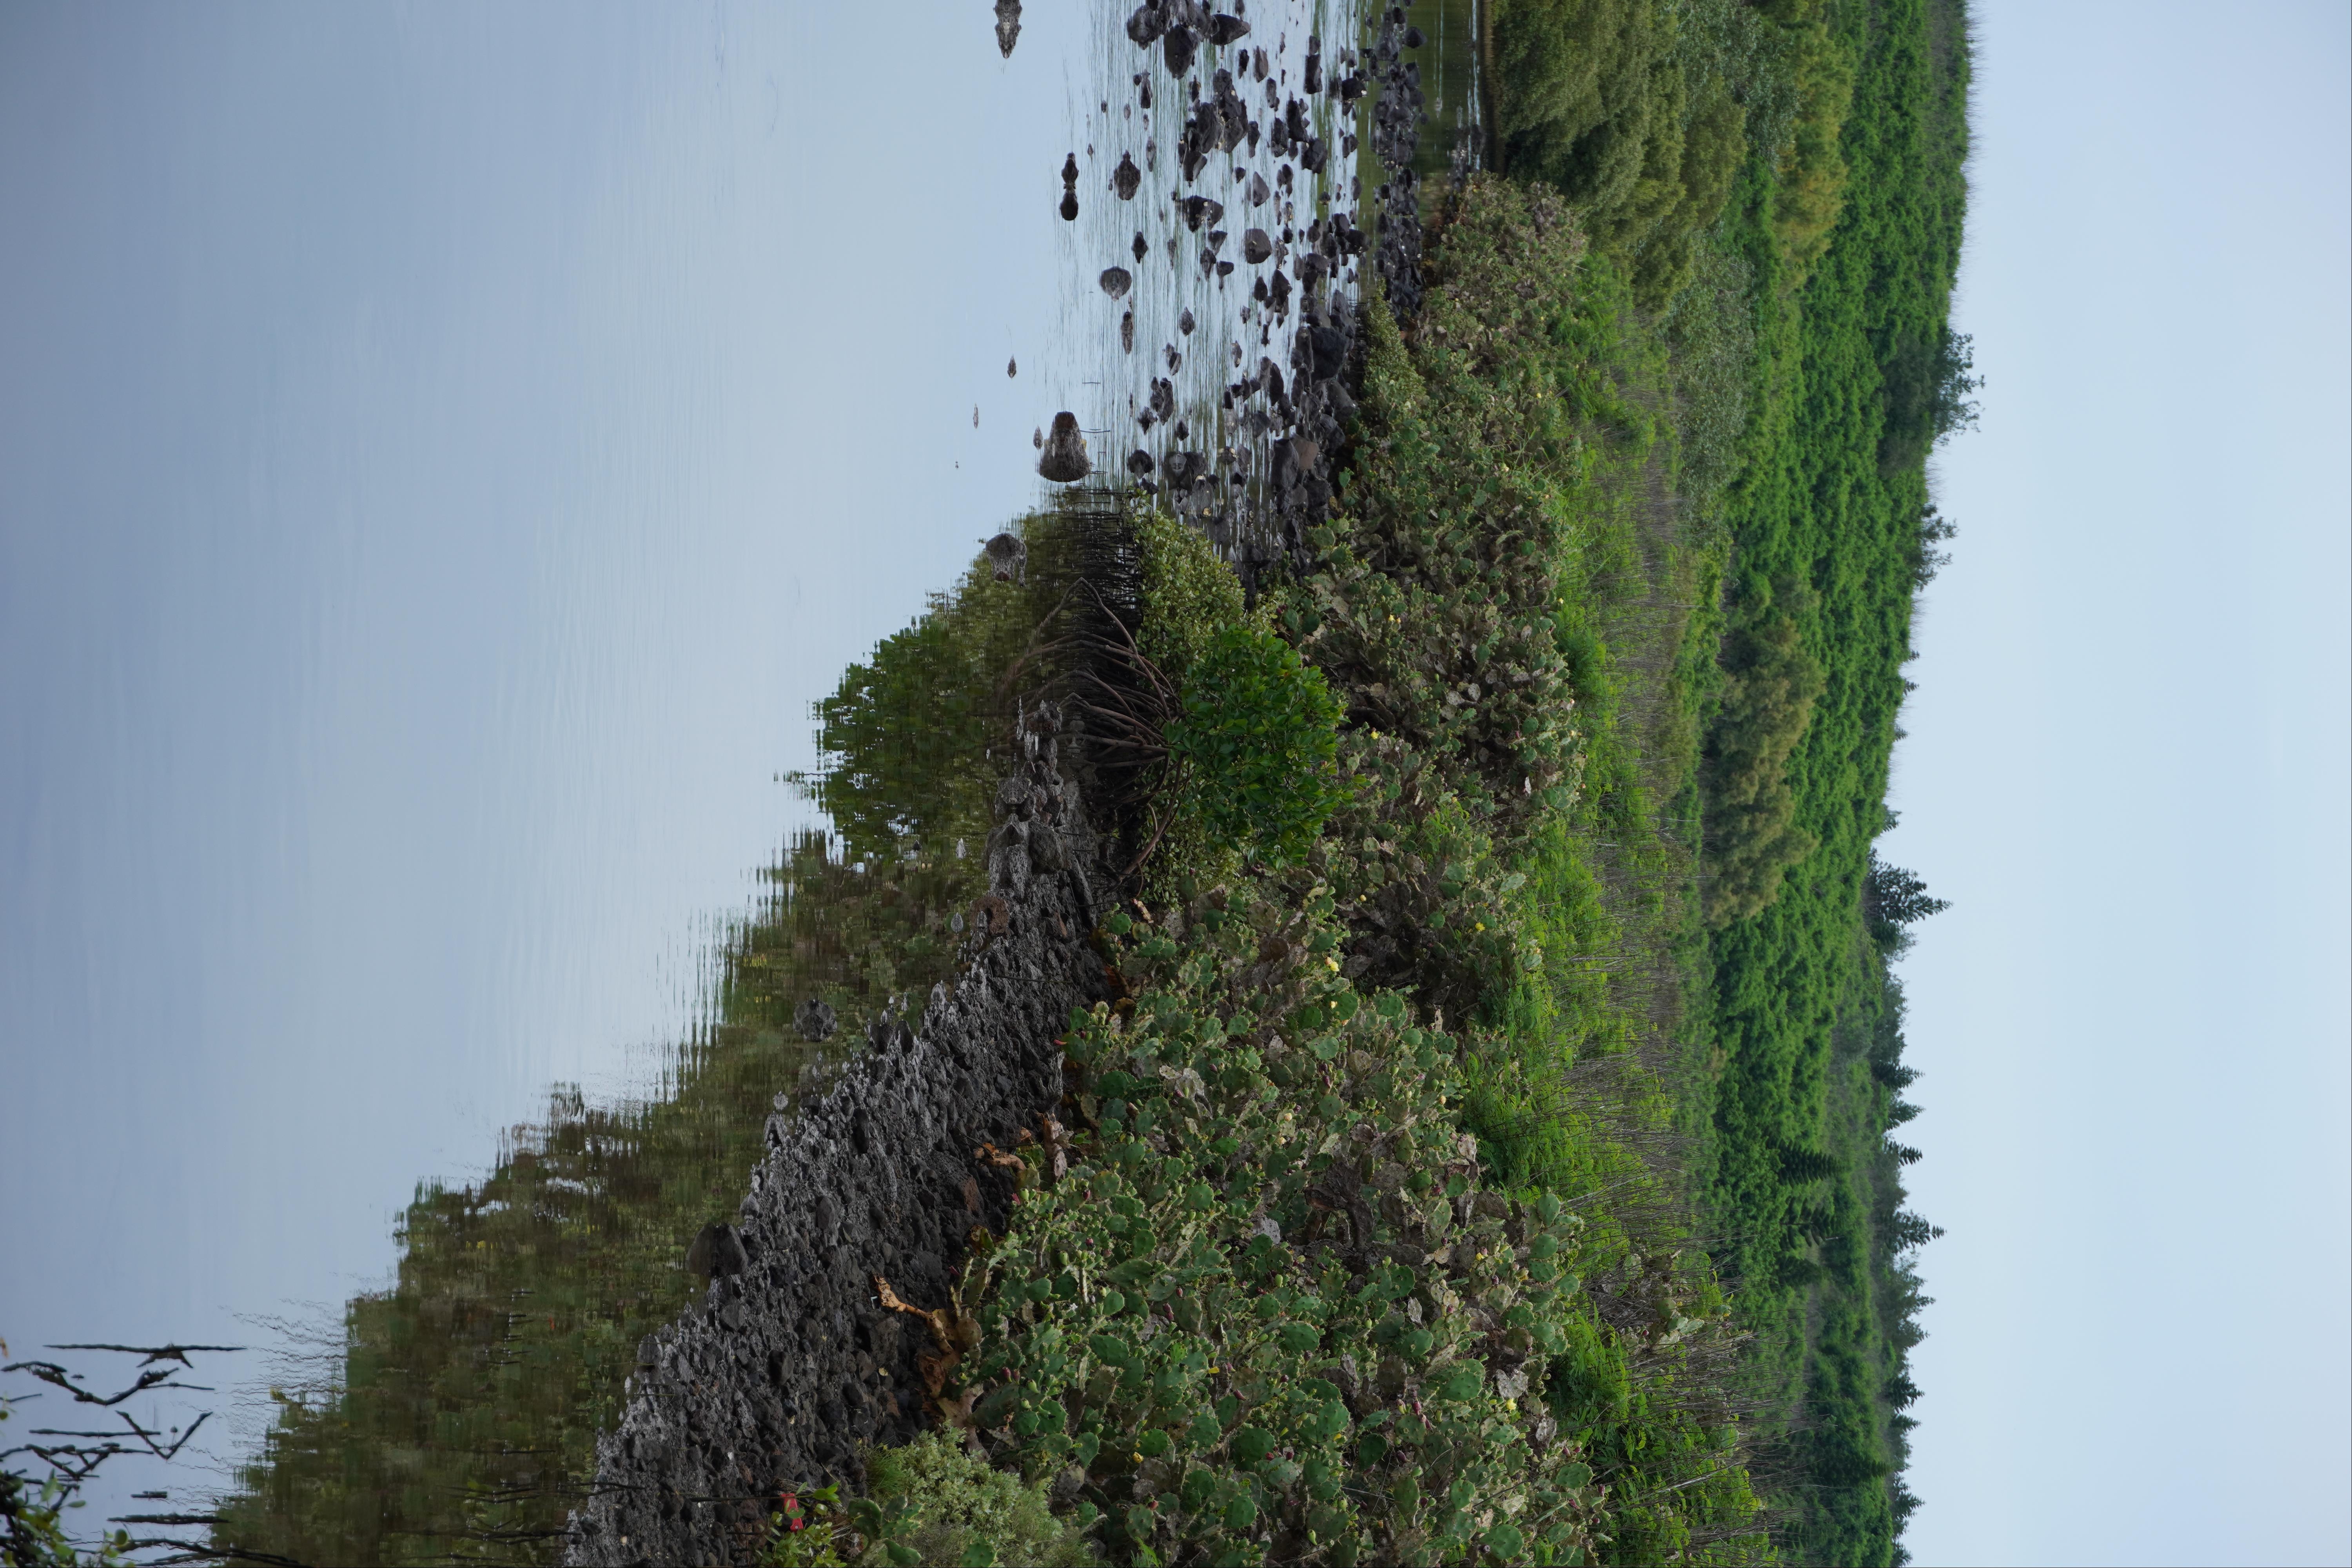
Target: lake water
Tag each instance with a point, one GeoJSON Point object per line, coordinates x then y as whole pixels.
{"type": "Point", "coordinates": [443, 458]}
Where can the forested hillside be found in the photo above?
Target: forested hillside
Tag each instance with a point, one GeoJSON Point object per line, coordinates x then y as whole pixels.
{"type": "Point", "coordinates": [1843, 225]}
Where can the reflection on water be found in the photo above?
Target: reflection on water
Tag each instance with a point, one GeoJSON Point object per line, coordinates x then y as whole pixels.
{"type": "Point", "coordinates": [452, 1416]}
{"type": "Point", "coordinates": [1451, 62]}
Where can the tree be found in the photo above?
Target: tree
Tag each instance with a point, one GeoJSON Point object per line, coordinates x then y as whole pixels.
{"type": "Point", "coordinates": [1892, 899]}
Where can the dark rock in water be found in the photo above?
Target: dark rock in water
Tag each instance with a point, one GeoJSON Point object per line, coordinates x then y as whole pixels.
{"type": "Point", "coordinates": [1183, 469]}
{"type": "Point", "coordinates": [1260, 66]}
{"type": "Point", "coordinates": [1314, 154]}
{"type": "Point", "coordinates": [1215, 239]}
{"type": "Point", "coordinates": [1294, 120]}
{"type": "Point", "coordinates": [1233, 114]}
{"type": "Point", "coordinates": [1259, 190]}
{"type": "Point", "coordinates": [1314, 82]}
{"type": "Point", "coordinates": [1126, 178]}
{"type": "Point", "coordinates": [1175, 359]}
{"type": "Point", "coordinates": [1069, 207]}
{"type": "Point", "coordinates": [1147, 419]}
{"type": "Point", "coordinates": [1328, 351]}
{"type": "Point", "coordinates": [816, 1021]}
{"type": "Point", "coordinates": [1126, 332]}
{"type": "Point", "coordinates": [1144, 27]}
{"type": "Point", "coordinates": [1011, 368]}
{"type": "Point", "coordinates": [1199, 210]}
{"type": "Point", "coordinates": [1008, 25]}
{"type": "Point", "coordinates": [1142, 249]}
{"type": "Point", "coordinates": [1037, 439]}
{"type": "Point", "coordinates": [1183, 434]}
{"type": "Point", "coordinates": [718, 1253]}
{"type": "Point", "coordinates": [1223, 29]}
{"type": "Point", "coordinates": [1185, 322]}
{"type": "Point", "coordinates": [1224, 269]}
{"type": "Point", "coordinates": [1257, 247]}
{"type": "Point", "coordinates": [1181, 44]}
{"type": "Point", "coordinates": [1414, 38]}
{"type": "Point", "coordinates": [1163, 398]}
{"type": "Point", "coordinates": [1138, 462]}
{"type": "Point", "coordinates": [1008, 557]}
{"type": "Point", "coordinates": [1070, 170]}
{"type": "Point", "coordinates": [1204, 131]}
{"type": "Point", "coordinates": [1116, 281]}
{"type": "Point", "coordinates": [1065, 462]}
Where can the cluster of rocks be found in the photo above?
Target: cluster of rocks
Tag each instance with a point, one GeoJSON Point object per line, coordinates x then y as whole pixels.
{"type": "Point", "coordinates": [791, 1362]}
{"type": "Point", "coordinates": [1286, 415]}
{"type": "Point", "coordinates": [1397, 117]}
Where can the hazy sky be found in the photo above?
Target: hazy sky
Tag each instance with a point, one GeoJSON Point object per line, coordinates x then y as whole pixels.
{"type": "Point", "coordinates": [2127, 768]}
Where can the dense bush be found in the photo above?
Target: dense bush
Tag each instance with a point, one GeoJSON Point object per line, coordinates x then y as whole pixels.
{"type": "Point", "coordinates": [1598, 98]}
{"type": "Point", "coordinates": [1809, 190]}
{"type": "Point", "coordinates": [1268, 1313]}
{"type": "Point", "coordinates": [933, 1501]}
{"type": "Point", "coordinates": [1434, 604]}
{"type": "Point", "coordinates": [1257, 741]}
{"type": "Point", "coordinates": [1770, 685]}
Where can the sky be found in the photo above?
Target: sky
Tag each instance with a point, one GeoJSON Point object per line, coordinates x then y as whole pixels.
{"type": "Point", "coordinates": [2127, 767]}
{"type": "Point", "coordinates": [443, 452]}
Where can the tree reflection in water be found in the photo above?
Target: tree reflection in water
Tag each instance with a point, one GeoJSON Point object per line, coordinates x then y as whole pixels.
{"type": "Point", "coordinates": [453, 1417]}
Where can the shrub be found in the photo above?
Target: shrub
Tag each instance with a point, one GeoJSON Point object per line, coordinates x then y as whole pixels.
{"type": "Point", "coordinates": [1600, 100]}
{"type": "Point", "coordinates": [1771, 684]}
{"type": "Point", "coordinates": [1257, 740]}
{"type": "Point", "coordinates": [1810, 189]}
{"type": "Point", "coordinates": [1267, 1309]}
{"type": "Point", "coordinates": [945, 1505]}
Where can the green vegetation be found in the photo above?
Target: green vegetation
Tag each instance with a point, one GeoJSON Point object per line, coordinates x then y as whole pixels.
{"type": "Point", "coordinates": [1163, 1319]}
{"type": "Point", "coordinates": [1255, 745]}
{"type": "Point", "coordinates": [1615, 604]}
{"type": "Point", "coordinates": [932, 1502]}
{"type": "Point", "coordinates": [1489, 1153]}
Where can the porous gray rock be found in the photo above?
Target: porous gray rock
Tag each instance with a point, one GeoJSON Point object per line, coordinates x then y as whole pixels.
{"type": "Point", "coordinates": [791, 1363]}
{"type": "Point", "coordinates": [1065, 460]}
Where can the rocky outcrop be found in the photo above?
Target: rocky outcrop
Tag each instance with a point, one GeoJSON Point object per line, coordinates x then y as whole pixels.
{"type": "Point", "coordinates": [792, 1363]}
